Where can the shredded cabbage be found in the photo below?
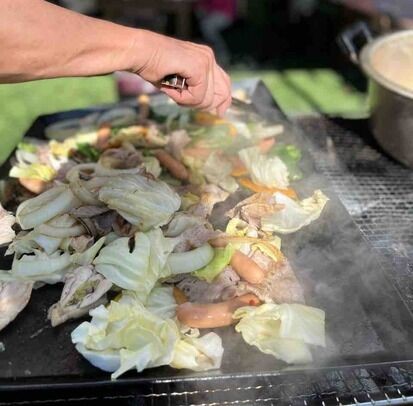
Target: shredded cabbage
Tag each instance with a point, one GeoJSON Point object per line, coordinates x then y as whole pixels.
{"type": "Point", "coordinates": [265, 171]}
{"type": "Point", "coordinates": [222, 257]}
{"type": "Point", "coordinates": [283, 331]}
{"type": "Point", "coordinates": [294, 215]}
{"type": "Point", "coordinates": [141, 201]}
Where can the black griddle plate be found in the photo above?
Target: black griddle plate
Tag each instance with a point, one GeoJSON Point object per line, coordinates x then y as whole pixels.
{"type": "Point", "coordinates": [366, 319]}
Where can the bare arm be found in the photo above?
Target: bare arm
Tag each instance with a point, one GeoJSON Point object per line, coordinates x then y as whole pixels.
{"type": "Point", "coordinates": [40, 40]}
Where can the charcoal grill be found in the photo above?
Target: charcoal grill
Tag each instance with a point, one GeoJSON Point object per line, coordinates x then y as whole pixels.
{"type": "Point", "coordinates": [378, 193]}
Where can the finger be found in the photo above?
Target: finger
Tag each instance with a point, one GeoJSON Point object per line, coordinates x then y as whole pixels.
{"type": "Point", "coordinates": [222, 90]}
{"type": "Point", "coordinates": [207, 102]}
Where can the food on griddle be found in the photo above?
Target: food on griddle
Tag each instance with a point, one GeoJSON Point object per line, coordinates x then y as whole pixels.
{"type": "Point", "coordinates": [173, 214]}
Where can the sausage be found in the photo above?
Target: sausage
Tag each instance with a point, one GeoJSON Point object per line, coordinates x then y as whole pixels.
{"type": "Point", "coordinates": [266, 144]}
{"type": "Point", "coordinates": [246, 268]}
{"type": "Point", "coordinates": [179, 296]}
{"type": "Point", "coordinates": [211, 315]}
{"type": "Point", "coordinates": [35, 186]}
{"type": "Point", "coordinates": [104, 133]}
{"type": "Point", "coordinates": [176, 168]}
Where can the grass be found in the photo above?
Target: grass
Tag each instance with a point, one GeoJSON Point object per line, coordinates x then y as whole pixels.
{"type": "Point", "coordinates": [297, 91]}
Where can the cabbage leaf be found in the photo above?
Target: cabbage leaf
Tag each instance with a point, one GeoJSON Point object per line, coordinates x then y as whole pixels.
{"type": "Point", "coordinates": [294, 215]}
{"type": "Point", "coordinates": [126, 335]}
{"type": "Point", "coordinates": [138, 269]}
{"type": "Point", "coordinates": [198, 353]}
{"type": "Point", "coordinates": [42, 208]}
{"type": "Point", "coordinates": [283, 331]}
{"type": "Point", "coordinates": [39, 267]}
{"type": "Point", "coordinates": [6, 221]}
{"type": "Point", "coordinates": [265, 171]}
{"type": "Point", "coordinates": [141, 201]}
{"type": "Point", "coordinates": [36, 171]}
{"type": "Point", "coordinates": [218, 171]}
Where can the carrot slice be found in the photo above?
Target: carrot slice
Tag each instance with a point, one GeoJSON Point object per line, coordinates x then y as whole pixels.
{"type": "Point", "coordinates": [249, 184]}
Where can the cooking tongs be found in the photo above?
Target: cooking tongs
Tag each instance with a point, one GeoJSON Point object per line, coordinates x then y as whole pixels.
{"type": "Point", "coordinates": [179, 83]}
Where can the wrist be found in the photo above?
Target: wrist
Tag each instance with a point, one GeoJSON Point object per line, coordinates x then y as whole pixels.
{"type": "Point", "coordinates": [141, 50]}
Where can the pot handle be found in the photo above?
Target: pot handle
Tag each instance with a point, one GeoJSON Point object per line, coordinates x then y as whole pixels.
{"type": "Point", "coordinates": [353, 39]}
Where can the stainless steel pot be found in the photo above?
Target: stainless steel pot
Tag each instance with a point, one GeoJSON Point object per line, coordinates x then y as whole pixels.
{"type": "Point", "coordinates": [390, 96]}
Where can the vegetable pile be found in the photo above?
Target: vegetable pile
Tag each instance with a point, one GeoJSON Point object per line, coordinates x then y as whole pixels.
{"type": "Point", "coordinates": [120, 208]}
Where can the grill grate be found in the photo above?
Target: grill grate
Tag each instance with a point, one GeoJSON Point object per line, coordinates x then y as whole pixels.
{"type": "Point", "coordinates": [376, 190]}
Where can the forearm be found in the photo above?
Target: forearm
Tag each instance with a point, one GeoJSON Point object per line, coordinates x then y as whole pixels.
{"type": "Point", "coordinates": [39, 40]}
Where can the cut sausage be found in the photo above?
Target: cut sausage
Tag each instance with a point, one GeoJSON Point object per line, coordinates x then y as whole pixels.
{"type": "Point", "coordinates": [176, 168]}
{"type": "Point", "coordinates": [36, 186]}
{"type": "Point", "coordinates": [246, 268]}
{"type": "Point", "coordinates": [213, 315]}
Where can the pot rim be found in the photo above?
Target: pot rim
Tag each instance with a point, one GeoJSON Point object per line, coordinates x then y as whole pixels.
{"type": "Point", "coordinates": [371, 72]}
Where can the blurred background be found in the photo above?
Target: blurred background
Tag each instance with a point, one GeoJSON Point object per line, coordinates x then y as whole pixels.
{"type": "Point", "coordinates": [289, 44]}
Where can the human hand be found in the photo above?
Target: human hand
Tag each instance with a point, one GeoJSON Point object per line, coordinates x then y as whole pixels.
{"type": "Point", "coordinates": [208, 86]}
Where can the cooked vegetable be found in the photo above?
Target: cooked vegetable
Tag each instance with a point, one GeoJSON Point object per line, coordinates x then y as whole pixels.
{"type": "Point", "coordinates": [35, 171]}
{"type": "Point", "coordinates": [161, 302]}
{"type": "Point", "coordinates": [291, 156]}
{"type": "Point", "coordinates": [39, 267]}
{"type": "Point", "coordinates": [265, 171]}
{"type": "Point", "coordinates": [137, 268]}
{"type": "Point", "coordinates": [218, 171]}
{"type": "Point", "coordinates": [141, 201]}
{"type": "Point", "coordinates": [282, 330]}
{"type": "Point", "coordinates": [198, 353]}
{"type": "Point", "coordinates": [14, 296]}
{"type": "Point", "coordinates": [107, 217]}
{"type": "Point", "coordinates": [88, 151]}
{"type": "Point", "coordinates": [190, 261]}
{"type": "Point", "coordinates": [249, 184]}
{"type": "Point", "coordinates": [6, 222]}
{"type": "Point", "coordinates": [222, 257]}
{"type": "Point", "coordinates": [39, 209]}
{"type": "Point", "coordinates": [124, 336]}
{"type": "Point", "coordinates": [294, 215]}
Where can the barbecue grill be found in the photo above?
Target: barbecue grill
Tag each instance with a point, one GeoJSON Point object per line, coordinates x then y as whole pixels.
{"type": "Point", "coordinates": [378, 193]}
